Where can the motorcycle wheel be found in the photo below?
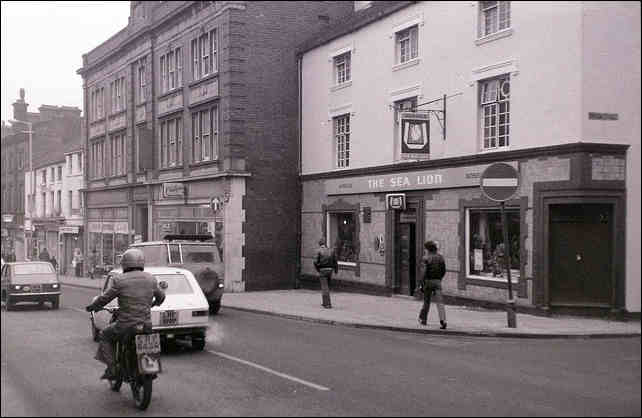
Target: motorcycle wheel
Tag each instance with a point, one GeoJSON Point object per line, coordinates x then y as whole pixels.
{"type": "Point", "coordinates": [142, 391]}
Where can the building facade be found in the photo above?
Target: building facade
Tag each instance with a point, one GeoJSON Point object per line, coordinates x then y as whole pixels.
{"type": "Point", "coordinates": [47, 130]}
{"type": "Point", "coordinates": [191, 129]}
{"type": "Point", "coordinates": [419, 98]}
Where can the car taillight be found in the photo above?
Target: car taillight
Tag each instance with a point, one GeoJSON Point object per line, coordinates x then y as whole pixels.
{"type": "Point", "coordinates": [199, 313]}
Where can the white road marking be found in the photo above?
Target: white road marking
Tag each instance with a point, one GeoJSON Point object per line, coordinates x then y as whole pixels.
{"type": "Point", "coordinates": [266, 369]}
{"type": "Point", "coordinates": [505, 182]}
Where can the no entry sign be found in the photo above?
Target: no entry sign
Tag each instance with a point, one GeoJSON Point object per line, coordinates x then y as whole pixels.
{"type": "Point", "coordinates": [499, 182]}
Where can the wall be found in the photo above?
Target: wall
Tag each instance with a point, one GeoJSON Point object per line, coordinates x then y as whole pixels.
{"type": "Point", "coordinates": [610, 53]}
{"type": "Point", "coordinates": [542, 54]}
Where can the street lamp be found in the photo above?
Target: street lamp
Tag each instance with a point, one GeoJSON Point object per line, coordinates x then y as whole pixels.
{"type": "Point", "coordinates": [32, 174]}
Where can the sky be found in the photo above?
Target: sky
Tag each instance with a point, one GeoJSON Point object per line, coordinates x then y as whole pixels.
{"type": "Point", "coordinates": [42, 47]}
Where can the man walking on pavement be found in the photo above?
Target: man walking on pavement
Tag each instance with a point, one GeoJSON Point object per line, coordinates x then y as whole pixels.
{"type": "Point", "coordinates": [434, 271]}
{"type": "Point", "coordinates": [325, 263]}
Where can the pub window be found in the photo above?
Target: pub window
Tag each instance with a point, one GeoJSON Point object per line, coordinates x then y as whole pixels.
{"type": "Point", "coordinates": [341, 231]}
{"type": "Point", "coordinates": [485, 244]}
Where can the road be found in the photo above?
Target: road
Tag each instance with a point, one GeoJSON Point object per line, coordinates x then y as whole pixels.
{"type": "Point", "coordinates": [256, 365]}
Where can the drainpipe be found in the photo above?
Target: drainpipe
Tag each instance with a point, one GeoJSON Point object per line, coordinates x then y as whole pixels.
{"type": "Point", "coordinates": [299, 169]}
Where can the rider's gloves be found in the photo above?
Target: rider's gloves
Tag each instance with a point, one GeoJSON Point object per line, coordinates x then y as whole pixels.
{"type": "Point", "coordinates": [89, 308]}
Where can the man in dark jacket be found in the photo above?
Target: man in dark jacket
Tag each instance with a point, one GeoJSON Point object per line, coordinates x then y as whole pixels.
{"type": "Point", "coordinates": [434, 272]}
{"type": "Point", "coordinates": [137, 291]}
{"type": "Point", "coordinates": [325, 263]}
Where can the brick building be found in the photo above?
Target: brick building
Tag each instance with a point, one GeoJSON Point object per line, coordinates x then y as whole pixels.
{"type": "Point", "coordinates": [418, 98]}
{"type": "Point", "coordinates": [192, 113]}
{"type": "Point", "coordinates": [52, 127]}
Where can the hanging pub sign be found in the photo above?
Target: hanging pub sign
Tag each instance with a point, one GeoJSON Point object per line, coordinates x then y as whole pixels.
{"type": "Point", "coordinates": [415, 131]}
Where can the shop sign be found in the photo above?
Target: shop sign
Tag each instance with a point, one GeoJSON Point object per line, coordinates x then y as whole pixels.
{"type": "Point", "coordinates": [121, 227]}
{"type": "Point", "coordinates": [94, 227]}
{"type": "Point", "coordinates": [415, 135]}
{"type": "Point", "coordinates": [412, 180]}
{"type": "Point", "coordinates": [7, 218]}
{"type": "Point", "coordinates": [173, 190]}
{"type": "Point", "coordinates": [68, 229]}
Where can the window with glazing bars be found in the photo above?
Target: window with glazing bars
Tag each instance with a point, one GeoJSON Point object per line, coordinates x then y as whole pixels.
{"type": "Point", "coordinates": [495, 112]}
{"type": "Point", "coordinates": [342, 140]}
{"type": "Point", "coordinates": [494, 16]}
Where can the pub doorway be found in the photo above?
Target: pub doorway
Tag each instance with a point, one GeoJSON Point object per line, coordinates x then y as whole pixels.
{"type": "Point", "coordinates": [406, 250]}
{"type": "Point", "coordinates": [581, 254]}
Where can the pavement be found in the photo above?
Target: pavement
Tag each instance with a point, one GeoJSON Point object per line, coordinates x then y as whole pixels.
{"type": "Point", "coordinates": [400, 314]}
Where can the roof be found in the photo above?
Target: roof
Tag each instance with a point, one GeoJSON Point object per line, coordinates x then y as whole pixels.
{"type": "Point", "coordinates": [353, 22]}
{"type": "Point", "coordinates": [47, 150]}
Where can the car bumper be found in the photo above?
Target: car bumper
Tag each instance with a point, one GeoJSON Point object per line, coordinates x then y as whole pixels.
{"type": "Point", "coordinates": [33, 297]}
{"type": "Point", "coordinates": [170, 332]}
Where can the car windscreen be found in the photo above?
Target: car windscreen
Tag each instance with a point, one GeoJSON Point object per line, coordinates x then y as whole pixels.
{"type": "Point", "coordinates": [176, 284]}
{"type": "Point", "coordinates": [155, 255]}
{"type": "Point", "coordinates": [195, 253]}
{"type": "Point", "coordinates": [34, 273]}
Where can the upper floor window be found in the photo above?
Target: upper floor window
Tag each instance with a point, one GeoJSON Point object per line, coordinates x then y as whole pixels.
{"type": "Point", "coordinates": [407, 44]}
{"type": "Point", "coordinates": [171, 68]}
{"type": "Point", "coordinates": [494, 102]}
{"type": "Point", "coordinates": [141, 80]}
{"type": "Point", "coordinates": [205, 135]}
{"type": "Point", "coordinates": [204, 55]}
{"type": "Point", "coordinates": [44, 177]}
{"type": "Point", "coordinates": [494, 16]}
{"type": "Point", "coordinates": [96, 156]}
{"type": "Point", "coordinates": [342, 68]}
{"type": "Point", "coordinates": [59, 173]}
{"type": "Point", "coordinates": [171, 143]}
{"type": "Point", "coordinates": [118, 95]}
{"type": "Point", "coordinates": [342, 140]}
{"type": "Point", "coordinates": [118, 156]}
{"type": "Point", "coordinates": [70, 163]}
{"type": "Point", "coordinates": [96, 104]}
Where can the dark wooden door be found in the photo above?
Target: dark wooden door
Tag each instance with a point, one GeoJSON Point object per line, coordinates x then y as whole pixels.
{"type": "Point", "coordinates": [580, 256]}
{"type": "Point", "coordinates": [406, 253]}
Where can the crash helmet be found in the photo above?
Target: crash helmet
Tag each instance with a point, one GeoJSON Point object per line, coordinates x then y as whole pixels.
{"type": "Point", "coordinates": [132, 259]}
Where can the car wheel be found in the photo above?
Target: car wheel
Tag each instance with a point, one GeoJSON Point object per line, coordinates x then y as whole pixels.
{"type": "Point", "coordinates": [198, 342]}
{"type": "Point", "coordinates": [55, 304]}
{"type": "Point", "coordinates": [215, 306]}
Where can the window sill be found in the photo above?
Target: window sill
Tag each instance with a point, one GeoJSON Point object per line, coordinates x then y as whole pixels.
{"type": "Point", "coordinates": [341, 86]}
{"type": "Point", "coordinates": [203, 163]}
{"type": "Point", "coordinates": [494, 36]}
{"type": "Point", "coordinates": [171, 168]}
{"type": "Point", "coordinates": [117, 113]}
{"type": "Point", "coordinates": [409, 63]}
{"type": "Point", "coordinates": [203, 79]}
{"type": "Point", "coordinates": [96, 121]}
{"type": "Point", "coordinates": [169, 93]}
{"type": "Point", "coordinates": [498, 149]}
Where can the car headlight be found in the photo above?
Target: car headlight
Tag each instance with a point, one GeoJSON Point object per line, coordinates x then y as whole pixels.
{"type": "Point", "coordinates": [17, 287]}
{"type": "Point", "coordinates": [55, 285]}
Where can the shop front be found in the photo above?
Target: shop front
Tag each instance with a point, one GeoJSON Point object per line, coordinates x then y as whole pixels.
{"type": "Point", "coordinates": [569, 196]}
{"type": "Point", "coordinates": [107, 240]}
{"type": "Point", "coordinates": [71, 239]}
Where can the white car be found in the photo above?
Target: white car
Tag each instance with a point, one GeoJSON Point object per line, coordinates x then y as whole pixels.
{"type": "Point", "coordinates": [183, 314]}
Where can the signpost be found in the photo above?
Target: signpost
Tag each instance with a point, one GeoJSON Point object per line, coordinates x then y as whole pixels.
{"type": "Point", "coordinates": [499, 182]}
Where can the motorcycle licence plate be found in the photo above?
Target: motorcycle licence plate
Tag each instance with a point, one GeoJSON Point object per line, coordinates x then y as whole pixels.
{"type": "Point", "coordinates": [148, 343]}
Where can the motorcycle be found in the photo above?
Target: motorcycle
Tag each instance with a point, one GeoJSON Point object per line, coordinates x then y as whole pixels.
{"type": "Point", "coordinates": [137, 361]}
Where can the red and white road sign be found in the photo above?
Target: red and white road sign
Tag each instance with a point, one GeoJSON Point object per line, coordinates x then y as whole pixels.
{"type": "Point", "coordinates": [499, 182]}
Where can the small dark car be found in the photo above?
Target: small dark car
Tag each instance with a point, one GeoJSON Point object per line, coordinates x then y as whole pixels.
{"type": "Point", "coordinates": [30, 281]}
{"type": "Point", "coordinates": [197, 253]}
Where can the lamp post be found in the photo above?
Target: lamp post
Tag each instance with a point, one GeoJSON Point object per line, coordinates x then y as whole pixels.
{"type": "Point", "coordinates": [32, 174]}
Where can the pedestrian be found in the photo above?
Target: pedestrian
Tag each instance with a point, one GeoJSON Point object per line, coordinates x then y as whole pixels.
{"type": "Point", "coordinates": [93, 262]}
{"type": "Point", "coordinates": [44, 255]}
{"type": "Point", "coordinates": [434, 271]}
{"type": "Point", "coordinates": [54, 262]}
{"type": "Point", "coordinates": [325, 263]}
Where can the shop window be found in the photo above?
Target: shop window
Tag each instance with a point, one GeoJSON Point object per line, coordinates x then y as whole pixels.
{"type": "Point", "coordinates": [108, 249]}
{"type": "Point", "coordinates": [174, 253]}
{"type": "Point", "coordinates": [484, 243]}
{"type": "Point", "coordinates": [121, 242]}
{"type": "Point", "coordinates": [342, 236]}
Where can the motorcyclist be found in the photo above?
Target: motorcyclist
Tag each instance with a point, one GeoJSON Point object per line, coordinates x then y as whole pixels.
{"type": "Point", "coordinates": [137, 292]}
